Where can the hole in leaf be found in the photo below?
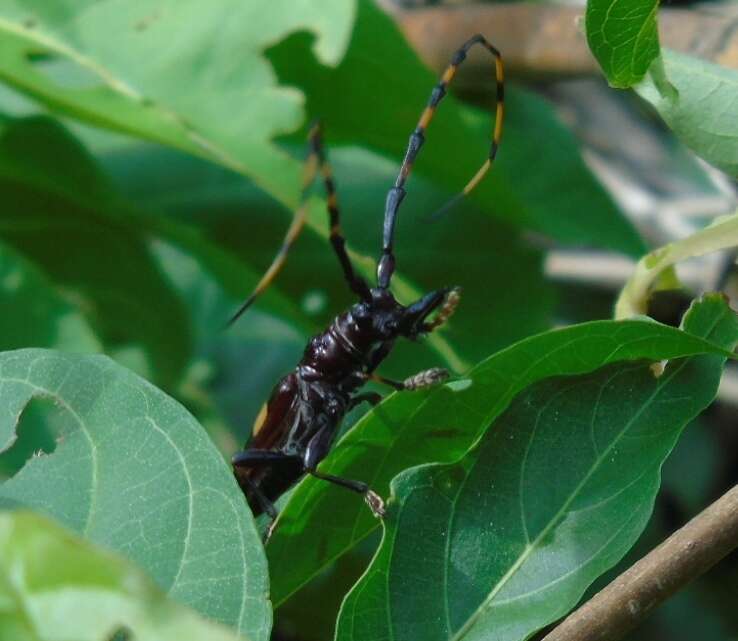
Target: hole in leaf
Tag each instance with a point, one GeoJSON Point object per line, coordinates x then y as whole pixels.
{"type": "Point", "coordinates": [121, 634]}
{"type": "Point", "coordinates": [34, 436]}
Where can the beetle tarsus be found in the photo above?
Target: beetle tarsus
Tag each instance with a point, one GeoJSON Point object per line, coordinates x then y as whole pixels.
{"type": "Point", "coordinates": [450, 303]}
{"type": "Point", "coordinates": [375, 503]}
{"type": "Point", "coordinates": [426, 378]}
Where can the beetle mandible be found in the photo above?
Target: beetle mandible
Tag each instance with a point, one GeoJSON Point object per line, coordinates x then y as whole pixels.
{"type": "Point", "coordinates": [297, 425]}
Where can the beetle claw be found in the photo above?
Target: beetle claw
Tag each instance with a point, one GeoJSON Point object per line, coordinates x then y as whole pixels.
{"type": "Point", "coordinates": [375, 503]}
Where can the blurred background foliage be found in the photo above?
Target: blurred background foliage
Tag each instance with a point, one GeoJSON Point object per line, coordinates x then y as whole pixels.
{"type": "Point", "coordinates": [150, 160]}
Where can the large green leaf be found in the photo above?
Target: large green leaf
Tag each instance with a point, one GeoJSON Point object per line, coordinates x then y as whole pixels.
{"type": "Point", "coordinates": [623, 36]}
{"type": "Point", "coordinates": [55, 586]}
{"type": "Point", "coordinates": [34, 314]}
{"type": "Point", "coordinates": [556, 491]}
{"type": "Point", "coordinates": [184, 73]}
{"type": "Point", "coordinates": [135, 472]}
{"type": "Point", "coordinates": [381, 110]}
{"type": "Point", "coordinates": [439, 426]}
{"type": "Point", "coordinates": [699, 102]}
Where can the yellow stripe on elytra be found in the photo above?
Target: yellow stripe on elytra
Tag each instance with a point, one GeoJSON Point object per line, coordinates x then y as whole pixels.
{"type": "Point", "coordinates": [260, 420]}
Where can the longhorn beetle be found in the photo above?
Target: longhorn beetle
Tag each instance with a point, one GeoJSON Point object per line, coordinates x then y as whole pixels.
{"type": "Point", "coordinates": [297, 425]}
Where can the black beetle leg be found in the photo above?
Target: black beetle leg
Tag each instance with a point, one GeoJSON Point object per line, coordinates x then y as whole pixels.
{"type": "Point", "coordinates": [266, 505]}
{"type": "Point", "coordinates": [356, 283]}
{"type": "Point", "coordinates": [316, 451]}
{"type": "Point", "coordinates": [256, 458]}
{"type": "Point", "coordinates": [426, 378]}
{"type": "Point", "coordinates": [373, 398]}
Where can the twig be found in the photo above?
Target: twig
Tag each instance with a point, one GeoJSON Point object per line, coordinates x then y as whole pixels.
{"type": "Point", "coordinates": [541, 39]}
{"type": "Point", "coordinates": [684, 556]}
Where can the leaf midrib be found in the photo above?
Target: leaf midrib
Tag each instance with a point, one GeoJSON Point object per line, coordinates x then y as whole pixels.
{"type": "Point", "coordinates": [208, 147]}
{"type": "Point", "coordinates": [529, 549]}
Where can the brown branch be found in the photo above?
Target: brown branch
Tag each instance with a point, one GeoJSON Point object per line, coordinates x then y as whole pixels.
{"type": "Point", "coordinates": [684, 556]}
{"type": "Point", "coordinates": [541, 40]}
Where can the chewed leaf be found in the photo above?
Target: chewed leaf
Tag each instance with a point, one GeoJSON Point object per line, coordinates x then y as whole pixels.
{"type": "Point", "coordinates": [55, 586]}
{"type": "Point", "coordinates": [633, 300]}
{"type": "Point", "coordinates": [135, 472]}
{"type": "Point", "coordinates": [203, 93]}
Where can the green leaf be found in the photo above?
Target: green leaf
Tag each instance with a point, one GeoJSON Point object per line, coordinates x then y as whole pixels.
{"type": "Point", "coordinates": [633, 299]}
{"type": "Point", "coordinates": [182, 73]}
{"type": "Point", "coordinates": [61, 212]}
{"type": "Point", "coordinates": [382, 110]}
{"type": "Point", "coordinates": [623, 36]}
{"type": "Point", "coordinates": [699, 103]}
{"type": "Point", "coordinates": [55, 586]}
{"type": "Point", "coordinates": [410, 429]}
{"type": "Point", "coordinates": [551, 496]}
{"type": "Point", "coordinates": [133, 471]}
{"type": "Point", "coordinates": [34, 314]}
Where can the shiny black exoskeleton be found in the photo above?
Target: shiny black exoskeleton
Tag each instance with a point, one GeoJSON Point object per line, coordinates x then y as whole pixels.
{"type": "Point", "coordinates": [298, 424]}
{"type": "Point", "coordinates": [296, 429]}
